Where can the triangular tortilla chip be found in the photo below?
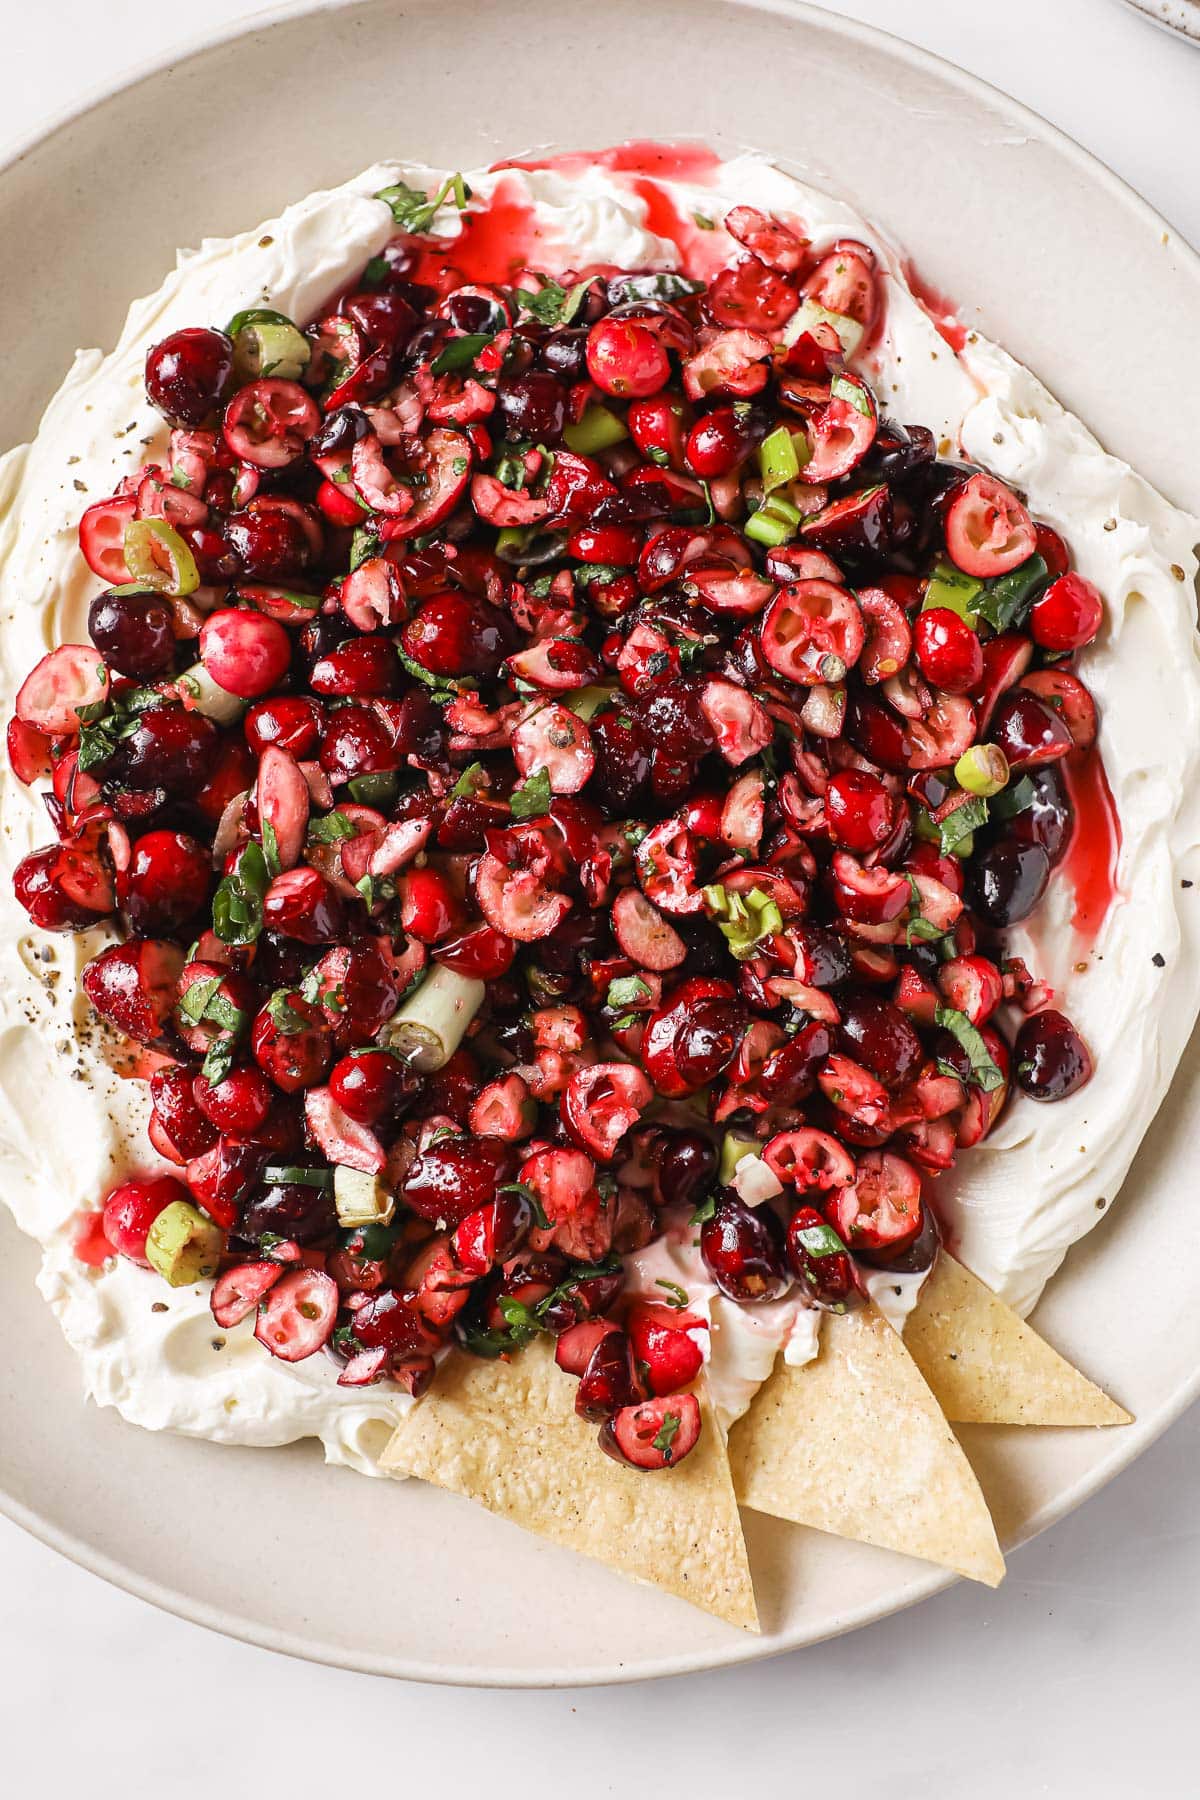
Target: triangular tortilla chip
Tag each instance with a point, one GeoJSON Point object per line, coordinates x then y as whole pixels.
{"type": "Point", "coordinates": [507, 1435]}
{"type": "Point", "coordinates": [854, 1443]}
{"type": "Point", "coordinates": [987, 1367]}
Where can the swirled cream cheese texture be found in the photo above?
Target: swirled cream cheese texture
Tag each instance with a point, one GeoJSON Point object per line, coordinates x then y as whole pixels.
{"type": "Point", "coordinates": [69, 1127]}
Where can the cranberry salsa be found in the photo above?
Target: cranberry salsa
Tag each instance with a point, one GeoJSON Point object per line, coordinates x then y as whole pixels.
{"type": "Point", "coordinates": [562, 765]}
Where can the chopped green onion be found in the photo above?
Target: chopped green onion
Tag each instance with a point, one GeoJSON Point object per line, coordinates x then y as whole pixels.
{"type": "Point", "coordinates": [599, 429]}
{"type": "Point", "coordinates": [266, 343]}
{"type": "Point", "coordinates": [290, 1175]}
{"type": "Point", "coordinates": [778, 460]}
{"type": "Point", "coordinates": [1007, 598]}
{"type": "Point", "coordinates": [950, 588]}
{"type": "Point", "coordinates": [983, 770]}
{"type": "Point", "coordinates": [157, 556]}
{"type": "Point", "coordinates": [774, 523]}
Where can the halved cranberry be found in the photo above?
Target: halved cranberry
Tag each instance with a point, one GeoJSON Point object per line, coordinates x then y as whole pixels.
{"type": "Point", "coordinates": [813, 1161]}
{"type": "Point", "coordinates": [63, 888]}
{"type": "Point", "coordinates": [188, 373]}
{"type": "Point", "coordinates": [221, 1178]}
{"type": "Point", "coordinates": [166, 883]}
{"type": "Point", "coordinates": [812, 632]}
{"type": "Point", "coordinates": [357, 742]}
{"type": "Point", "coordinates": [988, 531]}
{"type": "Point", "coordinates": [1050, 1059]}
{"type": "Point", "coordinates": [298, 1314]}
{"type": "Point", "coordinates": [743, 1252]}
{"type": "Point", "coordinates": [237, 1293]}
{"type": "Point", "coordinates": [480, 951]}
{"type": "Point", "coordinates": [178, 1129]}
{"type": "Point", "coordinates": [789, 1074]}
{"type": "Point", "coordinates": [492, 1233]}
{"type": "Point", "coordinates": [601, 1103]}
{"type": "Point", "coordinates": [882, 1210]}
{"type": "Point", "coordinates": [134, 633]}
{"type": "Point", "coordinates": [655, 1434]}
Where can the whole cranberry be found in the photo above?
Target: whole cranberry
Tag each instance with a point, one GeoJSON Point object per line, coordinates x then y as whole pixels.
{"type": "Point", "coordinates": [456, 634]}
{"type": "Point", "coordinates": [293, 722]}
{"type": "Point", "coordinates": [1028, 731]}
{"type": "Point", "coordinates": [357, 742]}
{"type": "Point", "coordinates": [292, 1042]}
{"type": "Point", "coordinates": [178, 1129]}
{"type": "Point", "coordinates": [685, 1168]}
{"type": "Point", "coordinates": [564, 353]}
{"type": "Point", "coordinates": [859, 811]}
{"type": "Point", "coordinates": [370, 1085]}
{"type": "Point", "coordinates": [878, 1035]}
{"type": "Point", "coordinates": [693, 1036]}
{"type": "Point", "coordinates": [188, 374]}
{"type": "Point", "coordinates": [825, 1272]}
{"type": "Point", "coordinates": [339, 431]}
{"type": "Point", "coordinates": [418, 726]}
{"type": "Point", "coordinates": [301, 904]}
{"type": "Point", "coordinates": [742, 1251]}
{"type": "Point", "coordinates": [134, 633]}
{"type": "Point", "coordinates": [622, 759]}
{"type": "Point", "coordinates": [386, 320]}
{"type": "Point", "coordinates": [238, 1104]}
{"type": "Point", "coordinates": [230, 773]}
{"type": "Point", "coordinates": [245, 653]}
{"type": "Point", "coordinates": [822, 955]}
{"type": "Point", "coordinates": [722, 439]}
{"type": "Point", "coordinates": [626, 358]}
{"type": "Point", "coordinates": [532, 407]}
{"type": "Point", "coordinates": [131, 1209]}
{"type": "Point", "coordinates": [290, 1209]}
{"type": "Point", "coordinates": [166, 883]}
{"type": "Point", "coordinates": [1068, 615]}
{"type": "Point", "coordinates": [948, 652]}
{"type": "Point", "coordinates": [1006, 881]}
{"type": "Point", "coordinates": [269, 541]}
{"type": "Point", "coordinates": [1050, 1059]}
{"type": "Point", "coordinates": [168, 747]}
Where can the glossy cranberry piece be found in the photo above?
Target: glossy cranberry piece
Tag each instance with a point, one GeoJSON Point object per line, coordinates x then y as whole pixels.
{"type": "Point", "coordinates": [362, 666]}
{"type": "Point", "coordinates": [269, 542]}
{"type": "Point", "coordinates": [357, 742]}
{"type": "Point", "coordinates": [52, 903]}
{"type": "Point", "coordinates": [622, 759]}
{"type": "Point", "coordinates": [1049, 818]}
{"type": "Point", "coordinates": [742, 1251]}
{"type": "Point", "coordinates": [178, 1129]}
{"type": "Point", "coordinates": [386, 320]}
{"type": "Point", "coordinates": [290, 1209]}
{"type": "Point", "coordinates": [609, 1380]}
{"type": "Point", "coordinates": [301, 904]}
{"type": "Point", "coordinates": [166, 883]}
{"type": "Point", "coordinates": [188, 374]}
{"type": "Point", "coordinates": [169, 748]}
{"type": "Point", "coordinates": [370, 1085]}
{"type": "Point", "coordinates": [482, 952]}
{"type": "Point", "coordinates": [134, 633]}
{"type": "Point", "coordinates": [824, 1271]}
{"type": "Point", "coordinates": [1050, 1059]}
{"type": "Point", "coordinates": [292, 722]}
{"type": "Point", "coordinates": [1006, 881]}
{"type": "Point", "coordinates": [131, 1209]}
{"type": "Point", "coordinates": [790, 1073]}
{"type": "Point", "coordinates": [626, 358]}
{"type": "Point", "coordinates": [822, 956]}
{"type": "Point", "coordinates": [693, 1036]}
{"type": "Point", "coordinates": [878, 1035]}
{"type": "Point", "coordinates": [292, 1042]}
{"type": "Point", "coordinates": [1028, 731]}
{"type": "Point", "coordinates": [245, 653]}
{"type": "Point", "coordinates": [133, 986]}
{"type": "Point", "coordinates": [719, 441]}
{"type": "Point", "coordinates": [456, 634]}
{"type": "Point", "coordinates": [685, 1168]}
{"type": "Point", "coordinates": [389, 1320]}
{"type": "Point", "coordinates": [859, 811]}
{"type": "Point", "coordinates": [655, 1434]}
{"type": "Point", "coordinates": [456, 1175]}
{"type": "Point", "coordinates": [948, 652]}
{"type": "Point", "coordinates": [878, 731]}
{"type": "Point", "coordinates": [238, 1104]}
{"type": "Point", "coordinates": [532, 407]}
{"type": "Point", "coordinates": [1068, 615]}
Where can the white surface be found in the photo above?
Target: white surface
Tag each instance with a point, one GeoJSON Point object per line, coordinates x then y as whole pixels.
{"type": "Point", "coordinates": [1094, 1621]}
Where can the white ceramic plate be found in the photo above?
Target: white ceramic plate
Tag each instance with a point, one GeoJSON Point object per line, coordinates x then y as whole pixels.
{"type": "Point", "coordinates": [1042, 247]}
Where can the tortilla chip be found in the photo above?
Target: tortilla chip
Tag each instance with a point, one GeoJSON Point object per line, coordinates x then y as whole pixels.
{"type": "Point", "coordinates": [986, 1366]}
{"type": "Point", "coordinates": [507, 1435]}
{"type": "Point", "coordinates": [855, 1444]}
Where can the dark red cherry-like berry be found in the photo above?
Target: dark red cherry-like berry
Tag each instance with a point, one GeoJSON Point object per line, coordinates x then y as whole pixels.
{"type": "Point", "coordinates": [370, 1085]}
{"type": "Point", "coordinates": [820, 1261]}
{"type": "Point", "coordinates": [298, 1210]}
{"type": "Point", "coordinates": [1050, 1059]}
{"type": "Point", "coordinates": [1006, 881]}
{"type": "Point", "coordinates": [454, 1176]}
{"type": "Point", "coordinates": [188, 374]}
{"type": "Point", "coordinates": [878, 1035]}
{"type": "Point", "coordinates": [859, 811]}
{"type": "Point", "coordinates": [134, 633]}
{"type": "Point", "coordinates": [742, 1251]}
{"type": "Point", "coordinates": [169, 748]}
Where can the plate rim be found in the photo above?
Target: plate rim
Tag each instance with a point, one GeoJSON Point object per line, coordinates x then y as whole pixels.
{"type": "Point", "coordinates": [926, 1581]}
